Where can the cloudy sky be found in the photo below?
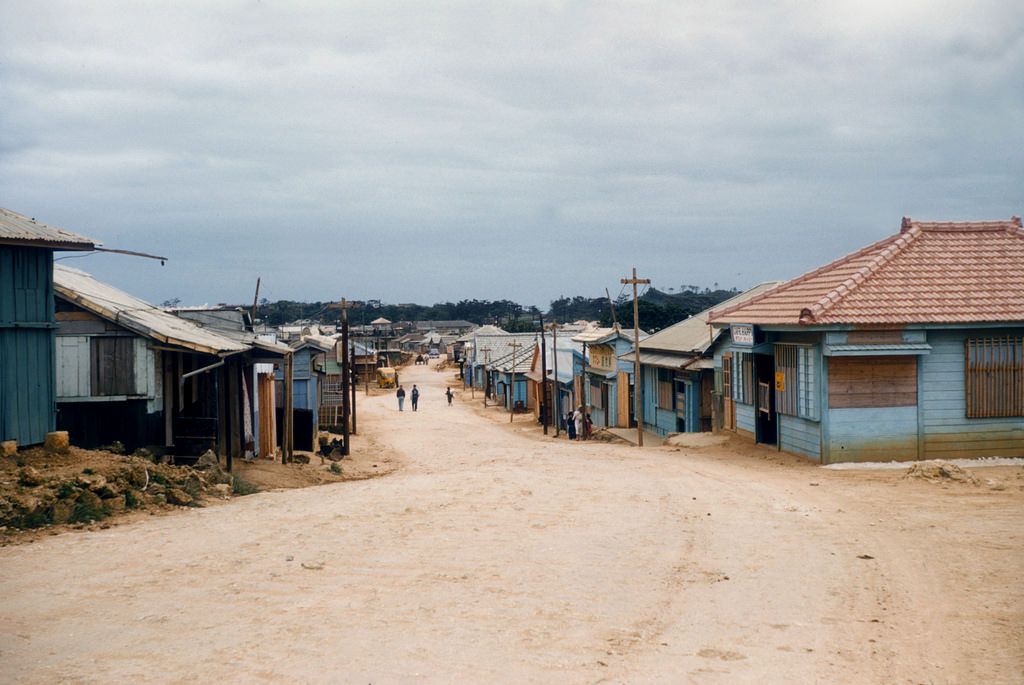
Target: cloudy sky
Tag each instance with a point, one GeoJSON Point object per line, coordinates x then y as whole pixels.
{"type": "Point", "coordinates": [428, 151]}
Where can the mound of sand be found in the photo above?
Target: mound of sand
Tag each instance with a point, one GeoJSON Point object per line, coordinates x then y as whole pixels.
{"type": "Point", "coordinates": [939, 470]}
{"type": "Point", "coordinates": [694, 440]}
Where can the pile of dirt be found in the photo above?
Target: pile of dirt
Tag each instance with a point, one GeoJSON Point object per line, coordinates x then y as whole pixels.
{"type": "Point", "coordinates": [47, 491]}
{"type": "Point", "coordinates": [696, 440]}
{"type": "Point", "coordinates": [940, 471]}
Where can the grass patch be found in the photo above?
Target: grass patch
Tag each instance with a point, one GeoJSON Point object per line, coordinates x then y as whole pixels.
{"type": "Point", "coordinates": [240, 486]}
{"type": "Point", "coordinates": [86, 512]}
{"type": "Point", "coordinates": [37, 519]}
{"type": "Point", "coordinates": [131, 500]}
{"type": "Point", "coordinates": [335, 468]}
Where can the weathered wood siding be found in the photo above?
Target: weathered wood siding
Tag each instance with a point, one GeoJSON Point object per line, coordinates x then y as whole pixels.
{"type": "Point", "coordinates": [800, 436]}
{"type": "Point", "coordinates": [872, 434]}
{"type": "Point", "coordinates": [947, 432]}
{"type": "Point", "coordinates": [27, 376]}
{"type": "Point", "coordinates": [745, 418]}
{"type": "Point", "coordinates": [72, 366]}
{"type": "Point", "coordinates": [861, 382]}
{"type": "Point", "coordinates": [622, 399]}
{"type": "Point", "coordinates": [77, 372]}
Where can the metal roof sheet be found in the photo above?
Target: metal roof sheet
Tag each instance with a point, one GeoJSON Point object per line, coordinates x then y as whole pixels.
{"type": "Point", "coordinates": [600, 335]}
{"type": "Point", "coordinates": [19, 229]}
{"type": "Point", "coordinates": [140, 316]}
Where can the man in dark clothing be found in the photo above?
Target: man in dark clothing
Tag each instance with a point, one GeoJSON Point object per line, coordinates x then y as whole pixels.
{"type": "Point", "coordinates": [415, 397]}
{"type": "Point", "coordinates": [400, 394]}
{"type": "Point", "coordinates": [448, 394]}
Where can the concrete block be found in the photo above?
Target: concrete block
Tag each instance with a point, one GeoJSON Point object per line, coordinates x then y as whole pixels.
{"type": "Point", "coordinates": [57, 442]}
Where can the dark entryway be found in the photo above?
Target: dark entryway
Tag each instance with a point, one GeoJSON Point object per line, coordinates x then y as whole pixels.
{"type": "Point", "coordinates": [764, 399]}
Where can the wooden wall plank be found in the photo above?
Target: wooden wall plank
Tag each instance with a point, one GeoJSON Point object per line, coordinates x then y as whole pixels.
{"type": "Point", "coordinates": [864, 382]}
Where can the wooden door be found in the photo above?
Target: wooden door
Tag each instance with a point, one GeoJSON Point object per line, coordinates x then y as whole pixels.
{"type": "Point", "coordinates": [729, 420]}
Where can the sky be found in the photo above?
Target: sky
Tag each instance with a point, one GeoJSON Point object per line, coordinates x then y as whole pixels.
{"type": "Point", "coordinates": [438, 151]}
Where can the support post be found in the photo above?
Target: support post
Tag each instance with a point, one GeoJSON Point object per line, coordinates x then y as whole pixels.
{"type": "Point", "coordinates": [487, 381]}
{"type": "Point", "coordinates": [543, 376]}
{"type": "Point", "coordinates": [287, 429]}
{"type": "Point", "coordinates": [512, 383]}
{"type": "Point", "coordinates": [636, 363]}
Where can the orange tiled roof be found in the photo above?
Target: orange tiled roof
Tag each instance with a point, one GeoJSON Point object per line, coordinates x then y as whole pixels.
{"type": "Point", "coordinates": [929, 272]}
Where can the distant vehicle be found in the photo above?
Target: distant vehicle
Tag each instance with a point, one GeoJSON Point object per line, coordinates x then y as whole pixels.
{"type": "Point", "coordinates": [433, 354]}
{"type": "Point", "coordinates": [386, 377]}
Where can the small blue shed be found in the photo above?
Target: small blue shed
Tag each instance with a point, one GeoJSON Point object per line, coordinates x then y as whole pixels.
{"type": "Point", "coordinates": [27, 363]}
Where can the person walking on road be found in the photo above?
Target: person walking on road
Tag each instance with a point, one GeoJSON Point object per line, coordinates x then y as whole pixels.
{"type": "Point", "coordinates": [415, 397]}
{"type": "Point", "coordinates": [448, 394]}
{"type": "Point", "coordinates": [400, 394]}
{"type": "Point", "coordinates": [570, 426]}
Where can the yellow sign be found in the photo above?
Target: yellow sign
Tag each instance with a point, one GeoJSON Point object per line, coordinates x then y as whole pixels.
{"type": "Point", "coordinates": [780, 381]}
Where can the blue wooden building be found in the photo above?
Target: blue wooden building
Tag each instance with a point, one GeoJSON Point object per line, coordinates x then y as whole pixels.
{"type": "Point", "coordinates": [27, 324]}
{"type": "Point", "coordinates": [677, 372]}
{"type": "Point", "coordinates": [606, 381]}
{"type": "Point", "coordinates": [910, 348]}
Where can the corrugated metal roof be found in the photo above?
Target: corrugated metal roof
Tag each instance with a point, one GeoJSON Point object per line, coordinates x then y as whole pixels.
{"type": "Point", "coordinates": [18, 229]}
{"type": "Point", "coordinates": [693, 335]}
{"type": "Point", "coordinates": [929, 272]}
{"type": "Point", "coordinates": [600, 335]}
{"type": "Point", "coordinates": [138, 315]}
{"type": "Point", "coordinates": [483, 330]}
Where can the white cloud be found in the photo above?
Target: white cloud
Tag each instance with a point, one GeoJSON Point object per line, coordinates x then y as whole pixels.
{"type": "Point", "coordinates": [726, 143]}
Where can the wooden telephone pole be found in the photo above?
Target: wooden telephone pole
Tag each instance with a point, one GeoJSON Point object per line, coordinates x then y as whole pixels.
{"type": "Point", "coordinates": [556, 409]}
{"type": "Point", "coordinates": [636, 363]}
{"type": "Point", "coordinates": [544, 402]}
{"type": "Point", "coordinates": [348, 408]}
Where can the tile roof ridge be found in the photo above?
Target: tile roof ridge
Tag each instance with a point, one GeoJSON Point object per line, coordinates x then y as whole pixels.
{"type": "Point", "coordinates": [1010, 226]}
{"type": "Point", "coordinates": [803, 278]}
{"type": "Point", "coordinates": [908, 233]}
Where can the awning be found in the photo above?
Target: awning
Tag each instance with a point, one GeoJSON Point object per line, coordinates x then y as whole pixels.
{"type": "Point", "coordinates": [666, 359]}
{"type": "Point", "coordinates": [604, 373]}
{"type": "Point", "coordinates": [874, 350]}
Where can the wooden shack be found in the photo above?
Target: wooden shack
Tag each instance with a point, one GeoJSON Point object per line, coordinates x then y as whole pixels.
{"type": "Point", "coordinates": [27, 325]}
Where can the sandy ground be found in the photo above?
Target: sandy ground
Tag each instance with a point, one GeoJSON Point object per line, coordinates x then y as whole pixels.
{"type": "Point", "coordinates": [490, 553]}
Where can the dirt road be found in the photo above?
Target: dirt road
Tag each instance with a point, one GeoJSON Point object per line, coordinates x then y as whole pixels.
{"type": "Point", "coordinates": [492, 554]}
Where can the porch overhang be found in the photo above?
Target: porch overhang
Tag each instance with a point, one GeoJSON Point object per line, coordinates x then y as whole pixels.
{"type": "Point", "coordinates": [871, 350]}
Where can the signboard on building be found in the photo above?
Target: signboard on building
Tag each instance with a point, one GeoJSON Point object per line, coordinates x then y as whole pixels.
{"type": "Point", "coordinates": [742, 333]}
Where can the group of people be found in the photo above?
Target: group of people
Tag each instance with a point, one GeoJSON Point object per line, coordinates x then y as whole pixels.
{"type": "Point", "coordinates": [414, 395]}
{"type": "Point", "coordinates": [578, 425]}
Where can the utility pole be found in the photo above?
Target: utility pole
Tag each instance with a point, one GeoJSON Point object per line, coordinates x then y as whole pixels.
{"type": "Point", "coordinates": [255, 300]}
{"type": "Point", "coordinates": [584, 393]}
{"type": "Point", "coordinates": [543, 377]}
{"type": "Point", "coordinates": [615, 324]}
{"type": "Point", "coordinates": [352, 361]}
{"type": "Point", "coordinates": [636, 363]}
{"type": "Point", "coordinates": [346, 360]}
{"type": "Point", "coordinates": [512, 383]}
{"type": "Point", "coordinates": [487, 358]}
{"type": "Point", "coordinates": [556, 409]}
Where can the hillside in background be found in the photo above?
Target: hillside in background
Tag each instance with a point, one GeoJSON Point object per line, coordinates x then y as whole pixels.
{"type": "Point", "coordinates": [657, 309]}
